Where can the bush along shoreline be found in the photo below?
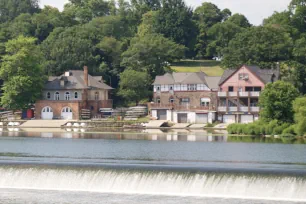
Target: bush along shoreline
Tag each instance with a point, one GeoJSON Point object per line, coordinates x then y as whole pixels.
{"type": "Point", "coordinates": [283, 113]}
{"type": "Point", "coordinates": [266, 128]}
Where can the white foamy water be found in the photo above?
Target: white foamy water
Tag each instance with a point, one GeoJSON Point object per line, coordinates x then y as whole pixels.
{"type": "Point", "coordinates": [155, 183]}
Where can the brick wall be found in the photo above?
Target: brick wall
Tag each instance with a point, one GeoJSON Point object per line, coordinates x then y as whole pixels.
{"type": "Point", "coordinates": [194, 96]}
{"type": "Point", "coordinates": [57, 107]}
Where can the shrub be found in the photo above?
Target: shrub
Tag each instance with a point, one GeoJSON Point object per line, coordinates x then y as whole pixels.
{"type": "Point", "coordinates": [289, 130]}
{"type": "Point", "coordinates": [279, 129]}
{"type": "Point", "coordinates": [301, 127]}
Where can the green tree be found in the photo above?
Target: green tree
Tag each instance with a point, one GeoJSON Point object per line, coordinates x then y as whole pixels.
{"type": "Point", "coordinates": [174, 21]}
{"type": "Point", "coordinates": [264, 46]}
{"type": "Point", "coordinates": [206, 16]}
{"type": "Point", "coordinates": [240, 20]}
{"type": "Point", "coordinates": [48, 19]}
{"type": "Point", "coordinates": [276, 101]}
{"type": "Point", "coordinates": [134, 85]}
{"type": "Point", "coordinates": [10, 9]}
{"type": "Point", "coordinates": [85, 10]}
{"type": "Point", "coordinates": [219, 37]}
{"type": "Point", "coordinates": [152, 54]}
{"type": "Point", "coordinates": [299, 107]}
{"type": "Point", "coordinates": [22, 73]}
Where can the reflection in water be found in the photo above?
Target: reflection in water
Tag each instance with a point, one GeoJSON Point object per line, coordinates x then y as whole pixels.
{"type": "Point", "coordinates": [148, 134]}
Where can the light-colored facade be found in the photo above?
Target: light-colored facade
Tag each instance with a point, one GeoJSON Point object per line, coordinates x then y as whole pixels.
{"type": "Point", "coordinates": [185, 98]}
{"type": "Point", "coordinates": [65, 96]}
{"type": "Point", "coordinates": [197, 98]}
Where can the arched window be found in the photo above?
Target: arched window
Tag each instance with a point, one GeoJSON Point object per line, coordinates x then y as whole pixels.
{"type": "Point", "coordinates": [57, 96]}
{"type": "Point", "coordinates": [97, 96]}
{"type": "Point", "coordinates": [48, 95]}
{"type": "Point", "coordinates": [47, 110]}
{"type": "Point", "coordinates": [66, 110]}
{"type": "Point", "coordinates": [67, 96]}
{"type": "Point", "coordinates": [76, 95]}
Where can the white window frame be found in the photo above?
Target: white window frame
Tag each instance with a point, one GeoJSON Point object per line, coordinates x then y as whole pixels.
{"type": "Point", "coordinates": [205, 102]}
{"type": "Point", "coordinates": [67, 96]}
{"type": "Point", "coordinates": [57, 96]}
{"type": "Point", "coordinates": [48, 95]}
{"type": "Point", "coordinates": [191, 87]}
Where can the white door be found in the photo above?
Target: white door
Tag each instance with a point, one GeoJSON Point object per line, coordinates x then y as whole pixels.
{"type": "Point", "coordinates": [47, 113]}
{"type": "Point", "coordinates": [228, 119]}
{"type": "Point", "coordinates": [66, 113]}
{"type": "Point", "coordinates": [201, 118]}
{"type": "Point", "coordinates": [247, 119]}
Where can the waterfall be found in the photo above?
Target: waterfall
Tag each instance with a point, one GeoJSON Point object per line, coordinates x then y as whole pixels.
{"type": "Point", "coordinates": [232, 185]}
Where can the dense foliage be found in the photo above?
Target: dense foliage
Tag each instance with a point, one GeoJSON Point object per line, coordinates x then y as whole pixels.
{"type": "Point", "coordinates": [111, 36]}
{"type": "Point", "coordinates": [22, 73]}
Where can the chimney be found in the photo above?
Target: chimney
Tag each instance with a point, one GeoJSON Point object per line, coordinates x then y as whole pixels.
{"type": "Point", "coordinates": [86, 75]}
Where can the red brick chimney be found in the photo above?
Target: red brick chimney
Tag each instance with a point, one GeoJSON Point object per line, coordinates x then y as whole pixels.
{"type": "Point", "coordinates": [86, 75]}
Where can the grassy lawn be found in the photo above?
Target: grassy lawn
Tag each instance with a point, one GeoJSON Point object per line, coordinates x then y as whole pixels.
{"type": "Point", "coordinates": [210, 67]}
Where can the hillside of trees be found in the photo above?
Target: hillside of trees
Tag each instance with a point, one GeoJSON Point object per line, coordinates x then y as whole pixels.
{"type": "Point", "coordinates": [146, 36]}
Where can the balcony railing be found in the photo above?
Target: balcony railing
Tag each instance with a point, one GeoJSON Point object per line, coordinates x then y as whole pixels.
{"type": "Point", "coordinates": [222, 109]}
{"type": "Point", "coordinates": [232, 94]}
{"type": "Point", "coordinates": [255, 109]}
{"type": "Point", "coordinates": [240, 94]}
{"type": "Point", "coordinates": [222, 94]}
{"type": "Point", "coordinates": [244, 109]}
{"type": "Point", "coordinates": [178, 107]}
{"type": "Point", "coordinates": [255, 94]}
{"type": "Point", "coordinates": [232, 109]}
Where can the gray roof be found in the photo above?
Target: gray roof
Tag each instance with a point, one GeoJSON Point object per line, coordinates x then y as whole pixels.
{"type": "Point", "coordinates": [75, 81]}
{"type": "Point", "coordinates": [266, 74]}
{"type": "Point", "coordinates": [187, 78]}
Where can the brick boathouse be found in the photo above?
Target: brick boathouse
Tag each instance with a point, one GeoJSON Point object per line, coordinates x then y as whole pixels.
{"type": "Point", "coordinates": [65, 96]}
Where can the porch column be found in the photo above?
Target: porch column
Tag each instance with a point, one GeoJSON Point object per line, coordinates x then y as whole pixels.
{"type": "Point", "coordinates": [249, 102]}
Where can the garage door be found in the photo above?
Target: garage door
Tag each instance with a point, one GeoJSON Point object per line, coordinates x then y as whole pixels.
{"type": "Point", "coordinates": [47, 113]}
{"type": "Point", "coordinates": [247, 118]}
{"type": "Point", "coordinates": [201, 118]}
{"type": "Point", "coordinates": [182, 117]}
{"type": "Point", "coordinates": [228, 119]}
{"type": "Point", "coordinates": [66, 113]}
{"type": "Point", "coordinates": [162, 114]}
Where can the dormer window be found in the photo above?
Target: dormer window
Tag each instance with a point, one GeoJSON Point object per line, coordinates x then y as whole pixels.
{"type": "Point", "coordinates": [67, 96]}
{"type": "Point", "coordinates": [76, 95]}
{"type": "Point", "coordinates": [48, 95]}
{"type": "Point", "coordinates": [57, 96]}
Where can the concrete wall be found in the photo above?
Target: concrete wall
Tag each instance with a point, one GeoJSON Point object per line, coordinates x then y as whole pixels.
{"type": "Point", "coordinates": [236, 83]}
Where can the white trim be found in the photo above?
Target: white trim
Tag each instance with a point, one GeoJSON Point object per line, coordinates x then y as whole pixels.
{"type": "Point", "coordinates": [59, 96]}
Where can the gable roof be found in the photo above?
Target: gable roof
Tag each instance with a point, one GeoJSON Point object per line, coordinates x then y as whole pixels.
{"type": "Point", "coordinates": [265, 75]}
{"type": "Point", "coordinates": [75, 81]}
{"type": "Point", "coordinates": [187, 78]}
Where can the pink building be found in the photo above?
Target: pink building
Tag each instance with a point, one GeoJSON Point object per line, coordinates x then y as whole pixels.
{"type": "Point", "coordinates": [239, 91]}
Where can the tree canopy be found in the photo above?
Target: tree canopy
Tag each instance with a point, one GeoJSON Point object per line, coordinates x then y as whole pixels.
{"type": "Point", "coordinates": [22, 73]}
{"type": "Point", "coordinates": [276, 102]}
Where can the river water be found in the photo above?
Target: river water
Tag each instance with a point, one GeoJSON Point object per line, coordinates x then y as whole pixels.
{"type": "Point", "coordinates": [71, 166]}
